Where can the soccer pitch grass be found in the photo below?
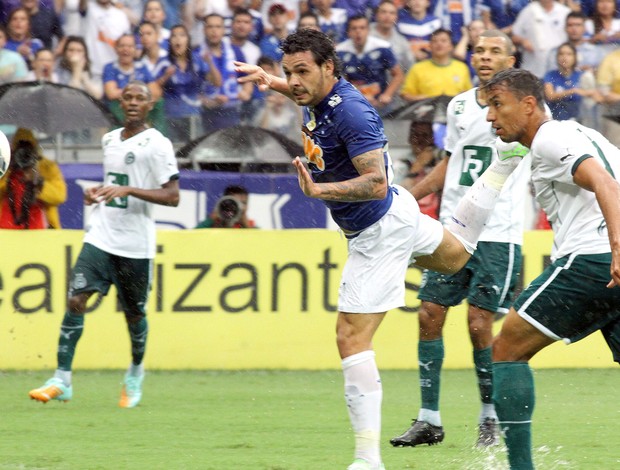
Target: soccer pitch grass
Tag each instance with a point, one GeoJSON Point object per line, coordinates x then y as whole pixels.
{"type": "Point", "coordinates": [289, 420]}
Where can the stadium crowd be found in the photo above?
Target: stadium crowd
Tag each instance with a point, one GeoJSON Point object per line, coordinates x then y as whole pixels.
{"type": "Point", "coordinates": [185, 50]}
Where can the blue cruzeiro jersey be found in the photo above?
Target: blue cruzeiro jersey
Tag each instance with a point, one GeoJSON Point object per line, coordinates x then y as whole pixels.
{"type": "Point", "coordinates": [342, 126]}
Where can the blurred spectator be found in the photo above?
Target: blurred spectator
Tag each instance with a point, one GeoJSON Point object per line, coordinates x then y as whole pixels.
{"type": "Point", "coordinates": [562, 86]}
{"type": "Point", "coordinates": [227, 8]}
{"type": "Point", "coordinates": [241, 29]}
{"type": "Point", "coordinates": [500, 14]}
{"type": "Point", "coordinates": [71, 15]}
{"type": "Point", "coordinates": [278, 113]}
{"type": "Point", "coordinates": [309, 20]}
{"type": "Point", "coordinates": [384, 27]}
{"type": "Point", "coordinates": [152, 54]}
{"type": "Point", "coordinates": [32, 188]}
{"type": "Point", "coordinates": [589, 56]}
{"type": "Point", "coordinates": [174, 12]}
{"type": "Point", "coordinates": [439, 75]}
{"type": "Point", "coordinates": [194, 13]}
{"type": "Point", "coordinates": [417, 24]}
{"type": "Point", "coordinates": [103, 25]}
{"type": "Point", "coordinates": [608, 81]}
{"type": "Point", "coordinates": [456, 16]}
{"type": "Point", "coordinates": [333, 21]}
{"type": "Point", "coordinates": [370, 65]}
{"type": "Point", "coordinates": [464, 49]}
{"type": "Point", "coordinates": [538, 29]}
{"type": "Point", "coordinates": [604, 27]}
{"type": "Point", "coordinates": [20, 37]}
{"type": "Point", "coordinates": [357, 7]}
{"type": "Point", "coordinates": [182, 83]}
{"type": "Point", "coordinates": [124, 69]}
{"type": "Point", "coordinates": [43, 67]}
{"type": "Point", "coordinates": [44, 24]}
{"type": "Point", "coordinates": [278, 20]}
{"type": "Point", "coordinates": [230, 210]}
{"type": "Point", "coordinates": [222, 105]}
{"type": "Point", "coordinates": [294, 9]}
{"type": "Point", "coordinates": [13, 67]}
{"type": "Point", "coordinates": [74, 68]}
{"type": "Point", "coordinates": [155, 14]}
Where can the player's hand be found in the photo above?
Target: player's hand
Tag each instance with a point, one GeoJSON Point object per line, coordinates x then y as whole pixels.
{"type": "Point", "coordinates": [615, 271]}
{"type": "Point", "coordinates": [305, 181]}
{"type": "Point", "coordinates": [90, 196]}
{"type": "Point", "coordinates": [253, 74]}
{"type": "Point", "coordinates": [107, 193]}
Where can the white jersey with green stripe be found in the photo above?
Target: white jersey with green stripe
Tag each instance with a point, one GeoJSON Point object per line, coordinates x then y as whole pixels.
{"type": "Point", "coordinates": [575, 216]}
{"type": "Point", "coordinates": [470, 140]}
{"type": "Point", "coordinates": [125, 226]}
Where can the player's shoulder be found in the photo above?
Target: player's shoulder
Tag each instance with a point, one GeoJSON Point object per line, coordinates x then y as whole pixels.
{"type": "Point", "coordinates": [464, 102]}
{"type": "Point", "coordinates": [113, 136]}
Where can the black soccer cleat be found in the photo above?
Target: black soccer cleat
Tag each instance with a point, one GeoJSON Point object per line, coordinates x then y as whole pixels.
{"type": "Point", "coordinates": [420, 432]}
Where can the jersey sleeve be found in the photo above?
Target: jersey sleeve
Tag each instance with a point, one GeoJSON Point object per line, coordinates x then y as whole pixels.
{"type": "Point", "coordinates": [452, 133]}
{"type": "Point", "coordinates": [558, 158]}
{"type": "Point", "coordinates": [164, 164]}
{"type": "Point", "coordinates": [360, 128]}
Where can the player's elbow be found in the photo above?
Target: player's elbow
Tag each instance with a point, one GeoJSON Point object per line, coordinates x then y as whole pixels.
{"type": "Point", "coordinates": [380, 188]}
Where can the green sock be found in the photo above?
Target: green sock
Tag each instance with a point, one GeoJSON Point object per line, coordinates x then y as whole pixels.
{"type": "Point", "coordinates": [70, 332]}
{"type": "Point", "coordinates": [484, 371]}
{"type": "Point", "coordinates": [430, 360]}
{"type": "Point", "coordinates": [138, 333]}
{"type": "Point", "coordinates": [513, 394]}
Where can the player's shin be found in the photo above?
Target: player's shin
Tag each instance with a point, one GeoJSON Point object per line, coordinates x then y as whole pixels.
{"type": "Point", "coordinates": [475, 209]}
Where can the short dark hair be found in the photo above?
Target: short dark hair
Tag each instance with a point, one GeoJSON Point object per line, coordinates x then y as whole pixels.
{"type": "Point", "coordinates": [519, 82]}
{"type": "Point", "coordinates": [576, 14]}
{"type": "Point", "coordinates": [356, 18]}
{"type": "Point", "coordinates": [266, 60]}
{"type": "Point", "coordinates": [496, 33]}
{"type": "Point", "coordinates": [241, 12]}
{"type": "Point", "coordinates": [317, 42]}
{"type": "Point", "coordinates": [439, 31]}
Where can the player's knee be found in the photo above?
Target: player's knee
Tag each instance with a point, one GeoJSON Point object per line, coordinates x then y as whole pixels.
{"type": "Point", "coordinates": [134, 315]}
{"type": "Point", "coordinates": [431, 319]}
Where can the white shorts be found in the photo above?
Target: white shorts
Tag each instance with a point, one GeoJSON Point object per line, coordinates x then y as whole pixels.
{"type": "Point", "coordinates": [373, 279]}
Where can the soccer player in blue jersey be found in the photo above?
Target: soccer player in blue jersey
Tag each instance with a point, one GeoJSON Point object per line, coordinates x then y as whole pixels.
{"type": "Point", "coordinates": [349, 169]}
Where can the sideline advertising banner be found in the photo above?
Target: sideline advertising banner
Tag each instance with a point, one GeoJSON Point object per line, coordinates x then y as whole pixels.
{"type": "Point", "coordinates": [227, 299]}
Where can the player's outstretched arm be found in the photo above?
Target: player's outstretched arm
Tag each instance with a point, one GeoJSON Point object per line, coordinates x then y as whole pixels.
{"type": "Point", "coordinates": [263, 80]}
{"type": "Point", "coordinates": [371, 183]}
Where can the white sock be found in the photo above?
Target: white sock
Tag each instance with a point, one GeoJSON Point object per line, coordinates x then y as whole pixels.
{"type": "Point", "coordinates": [136, 370]}
{"type": "Point", "coordinates": [488, 411]}
{"type": "Point", "coordinates": [64, 375]}
{"type": "Point", "coordinates": [430, 416]}
{"type": "Point", "coordinates": [363, 394]}
{"type": "Point", "coordinates": [475, 208]}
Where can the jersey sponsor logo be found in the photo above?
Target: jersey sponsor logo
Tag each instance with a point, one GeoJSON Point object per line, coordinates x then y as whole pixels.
{"type": "Point", "coordinates": [130, 158]}
{"type": "Point", "coordinates": [334, 101]}
{"type": "Point", "coordinates": [312, 151]}
{"type": "Point", "coordinates": [459, 107]}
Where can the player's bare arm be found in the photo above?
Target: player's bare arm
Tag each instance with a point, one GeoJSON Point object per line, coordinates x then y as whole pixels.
{"type": "Point", "coordinates": [371, 184]}
{"type": "Point", "coordinates": [592, 176]}
{"type": "Point", "coordinates": [167, 195]}
{"type": "Point", "coordinates": [263, 80]}
{"type": "Point", "coordinates": [432, 182]}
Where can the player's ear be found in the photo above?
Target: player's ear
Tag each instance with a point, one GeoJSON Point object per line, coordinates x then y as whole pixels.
{"type": "Point", "coordinates": [329, 66]}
